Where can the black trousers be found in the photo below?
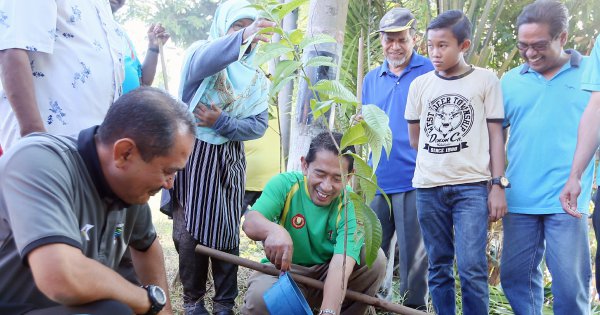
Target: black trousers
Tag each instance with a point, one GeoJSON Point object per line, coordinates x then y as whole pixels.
{"type": "Point", "coordinates": [193, 271]}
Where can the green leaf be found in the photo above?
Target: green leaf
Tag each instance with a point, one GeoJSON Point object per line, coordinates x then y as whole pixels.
{"type": "Point", "coordinates": [271, 51]}
{"type": "Point", "coordinates": [355, 135]}
{"type": "Point", "coordinates": [289, 7]}
{"type": "Point", "coordinates": [320, 61]}
{"type": "Point", "coordinates": [284, 68]}
{"type": "Point", "coordinates": [279, 85]}
{"type": "Point", "coordinates": [273, 29]}
{"type": "Point", "coordinates": [377, 129]}
{"type": "Point", "coordinates": [336, 91]}
{"type": "Point", "coordinates": [367, 221]}
{"type": "Point", "coordinates": [296, 36]}
{"type": "Point", "coordinates": [366, 178]}
{"type": "Point", "coordinates": [319, 108]}
{"type": "Point", "coordinates": [258, 7]}
{"type": "Point", "coordinates": [316, 39]}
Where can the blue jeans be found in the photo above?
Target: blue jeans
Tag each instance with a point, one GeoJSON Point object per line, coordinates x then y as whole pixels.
{"type": "Point", "coordinates": [565, 240]}
{"type": "Point", "coordinates": [596, 224]}
{"type": "Point", "coordinates": [454, 219]}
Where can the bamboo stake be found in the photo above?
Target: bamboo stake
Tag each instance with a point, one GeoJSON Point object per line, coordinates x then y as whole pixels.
{"type": "Point", "coordinates": [313, 283]}
{"type": "Point", "coordinates": [359, 86]}
{"type": "Point", "coordinates": [360, 70]}
{"type": "Point", "coordinates": [164, 65]}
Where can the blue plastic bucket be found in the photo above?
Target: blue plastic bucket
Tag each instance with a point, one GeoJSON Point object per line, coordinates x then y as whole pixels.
{"type": "Point", "coordinates": [284, 298]}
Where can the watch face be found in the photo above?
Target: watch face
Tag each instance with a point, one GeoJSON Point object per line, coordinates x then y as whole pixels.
{"type": "Point", "coordinates": [504, 181]}
{"type": "Point", "coordinates": [159, 295]}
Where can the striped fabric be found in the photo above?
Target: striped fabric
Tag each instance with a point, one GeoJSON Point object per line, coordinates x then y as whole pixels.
{"type": "Point", "coordinates": [211, 191]}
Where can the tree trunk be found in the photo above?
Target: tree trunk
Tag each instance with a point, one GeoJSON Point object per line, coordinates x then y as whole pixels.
{"type": "Point", "coordinates": [284, 99]}
{"type": "Point", "coordinates": [324, 17]}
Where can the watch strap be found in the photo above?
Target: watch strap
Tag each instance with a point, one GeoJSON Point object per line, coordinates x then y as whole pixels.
{"type": "Point", "coordinates": [155, 307]}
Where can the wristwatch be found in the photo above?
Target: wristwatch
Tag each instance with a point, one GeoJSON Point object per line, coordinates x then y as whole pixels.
{"type": "Point", "coordinates": [500, 181]}
{"type": "Point", "coordinates": [157, 298]}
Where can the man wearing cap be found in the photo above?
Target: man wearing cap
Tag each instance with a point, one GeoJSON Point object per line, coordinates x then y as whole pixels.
{"type": "Point", "coordinates": [387, 87]}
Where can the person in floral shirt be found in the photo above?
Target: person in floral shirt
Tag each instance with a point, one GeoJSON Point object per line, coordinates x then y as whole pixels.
{"type": "Point", "coordinates": [61, 73]}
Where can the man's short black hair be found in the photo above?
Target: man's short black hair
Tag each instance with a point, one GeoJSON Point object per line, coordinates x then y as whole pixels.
{"type": "Point", "coordinates": [550, 12]}
{"type": "Point", "coordinates": [454, 20]}
{"type": "Point", "coordinates": [324, 141]}
{"type": "Point", "coordinates": [150, 117]}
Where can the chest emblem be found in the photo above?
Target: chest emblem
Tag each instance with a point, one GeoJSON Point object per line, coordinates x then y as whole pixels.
{"type": "Point", "coordinates": [118, 231]}
{"type": "Point", "coordinates": [85, 231]}
{"type": "Point", "coordinates": [449, 120]}
{"type": "Point", "coordinates": [298, 221]}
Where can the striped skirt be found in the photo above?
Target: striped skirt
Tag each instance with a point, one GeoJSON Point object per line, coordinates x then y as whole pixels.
{"type": "Point", "coordinates": [211, 191]}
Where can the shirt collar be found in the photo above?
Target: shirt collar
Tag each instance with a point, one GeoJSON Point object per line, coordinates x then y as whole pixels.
{"type": "Point", "coordinates": [86, 146]}
{"type": "Point", "coordinates": [574, 60]}
{"type": "Point", "coordinates": [416, 60]}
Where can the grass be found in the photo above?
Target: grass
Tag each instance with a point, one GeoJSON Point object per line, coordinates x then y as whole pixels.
{"type": "Point", "coordinates": [251, 250]}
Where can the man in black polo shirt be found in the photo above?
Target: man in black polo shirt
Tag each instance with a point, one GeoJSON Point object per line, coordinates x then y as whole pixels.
{"type": "Point", "coordinates": [70, 207]}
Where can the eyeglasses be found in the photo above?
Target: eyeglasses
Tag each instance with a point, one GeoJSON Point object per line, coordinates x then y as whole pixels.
{"type": "Point", "coordinates": [539, 46]}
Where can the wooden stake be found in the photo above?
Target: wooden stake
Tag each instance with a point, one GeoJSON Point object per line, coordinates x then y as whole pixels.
{"type": "Point", "coordinates": [313, 283]}
{"type": "Point", "coordinates": [164, 65]}
{"type": "Point", "coordinates": [360, 71]}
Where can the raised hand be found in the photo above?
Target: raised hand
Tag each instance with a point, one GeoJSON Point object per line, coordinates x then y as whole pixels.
{"type": "Point", "coordinates": [157, 35]}
{"type": "Point", "coordinates": [255, 27]}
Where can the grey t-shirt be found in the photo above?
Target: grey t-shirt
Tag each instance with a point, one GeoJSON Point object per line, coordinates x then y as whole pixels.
{"type": "Point", "coordinates": [47, 195]}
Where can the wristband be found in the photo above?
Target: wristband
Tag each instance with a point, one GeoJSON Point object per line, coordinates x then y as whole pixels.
{"type": "Point", "coordinates": [153, 49]}
{"type": "Point", "coordinates": [327, 311]}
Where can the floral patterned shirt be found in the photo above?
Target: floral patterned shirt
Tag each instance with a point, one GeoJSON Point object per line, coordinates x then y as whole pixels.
{"type": "Point", "coordinates": [75, 52]}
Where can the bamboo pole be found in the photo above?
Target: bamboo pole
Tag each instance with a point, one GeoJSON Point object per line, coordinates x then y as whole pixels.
{"type": "Point", "coordinates": [163, 65]}
{"type": "Point", "coordinates": [313, 283]}
{"type": "Point", "coordinates": [360, 73]}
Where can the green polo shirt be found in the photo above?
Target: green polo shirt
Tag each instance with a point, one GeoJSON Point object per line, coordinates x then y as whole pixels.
{"type": "Point", "coordinates": [317, 232]}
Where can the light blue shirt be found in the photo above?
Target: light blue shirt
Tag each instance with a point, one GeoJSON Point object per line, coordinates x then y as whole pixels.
{"type": "Point", "coordinates": [133, 67]}
{"type": "Point", "coordinates": [543, 116]}
{"type": "Point", "coordinates": [590, 80]}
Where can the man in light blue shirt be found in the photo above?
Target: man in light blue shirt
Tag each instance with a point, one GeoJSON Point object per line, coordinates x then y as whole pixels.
{"type": "Point", "coordinates": [587, 142]}
{"type": "Point", "coordinates": [542, 105]}
{"type": "Point", "coordinates": [387, 87]}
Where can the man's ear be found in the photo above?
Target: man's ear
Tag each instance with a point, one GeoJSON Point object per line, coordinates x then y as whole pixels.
{"type": "Point", "coordinates": [415, 37]}
{"type": "Point", "coordinates": [349, 176]}
{"type": "Point", "coordinates": [563, 36]}
{"type": "Point", "coordinates": [123, 151]}
{"type": "Point", "coordinates": [304, 166]}
{"type": "Point", "coordinates": [465, 45]}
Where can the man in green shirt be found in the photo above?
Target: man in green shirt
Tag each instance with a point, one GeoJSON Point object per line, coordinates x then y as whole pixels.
{"type": "Point", "coordinates": [300, 220]}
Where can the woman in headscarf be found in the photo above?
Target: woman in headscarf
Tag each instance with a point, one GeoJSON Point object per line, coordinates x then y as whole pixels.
{"type": "Point", "coordinates": [228, 96]}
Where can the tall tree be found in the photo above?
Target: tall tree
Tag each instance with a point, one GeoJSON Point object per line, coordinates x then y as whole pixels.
{"type": "Point", "coordinates": [284, 98]}
{"type": "Point", "coordinates": [324, 17]}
